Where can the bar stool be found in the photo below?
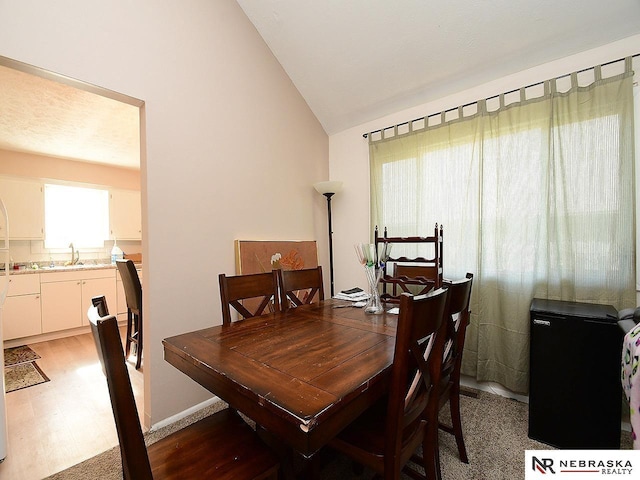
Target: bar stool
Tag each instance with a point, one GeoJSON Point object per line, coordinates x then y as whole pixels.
{"type": "Point", "coordinates": [133, 294]}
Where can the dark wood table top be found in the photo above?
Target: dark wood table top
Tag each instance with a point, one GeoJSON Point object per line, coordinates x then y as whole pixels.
{"type": "Point", "coordinates": [303, 374]}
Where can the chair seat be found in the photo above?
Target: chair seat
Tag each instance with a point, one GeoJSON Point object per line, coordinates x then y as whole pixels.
{"type": "Point", "coordinates": [221, 446]}
{"type": "Point", "coordinates": [367, 432]}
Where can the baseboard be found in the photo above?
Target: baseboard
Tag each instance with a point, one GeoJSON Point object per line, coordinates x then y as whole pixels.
{"type": "Point", "coordinates": [492, 387]}
{"type": "Point", "coordinates": [185, 413]}
{"type": "Point", "coordinates": [502, 391]}
{"type": "Point", "coordinates": [47, 337]}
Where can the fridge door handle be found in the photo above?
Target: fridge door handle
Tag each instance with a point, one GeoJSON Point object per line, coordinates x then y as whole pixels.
{"type": "Point", "coordinates": [537, 321]}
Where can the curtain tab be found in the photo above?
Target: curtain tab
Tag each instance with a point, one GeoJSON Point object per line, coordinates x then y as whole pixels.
{"type": "Point", "coordinates": [523, 95]}
{"type": "Point", "coordinates": [574, 80]}
{"type": "Point", "coordinates": [482, 106]}
{"type": "Point", "coordinates": [597, 73]}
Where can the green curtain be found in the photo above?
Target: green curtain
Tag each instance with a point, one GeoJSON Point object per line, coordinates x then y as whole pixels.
{"type": "Point", "coordinates": [537, 200]}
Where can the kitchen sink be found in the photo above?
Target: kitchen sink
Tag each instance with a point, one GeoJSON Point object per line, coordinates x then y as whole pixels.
{"type": "Point", "coordinates": [75, 267]}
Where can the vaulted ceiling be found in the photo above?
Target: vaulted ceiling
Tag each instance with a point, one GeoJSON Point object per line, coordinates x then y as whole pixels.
{"type": "Point", "coordinates": [358, 60]}
{"type": "Point", "coordinates": [352, 60]}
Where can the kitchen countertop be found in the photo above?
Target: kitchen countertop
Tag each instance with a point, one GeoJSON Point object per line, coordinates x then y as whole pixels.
{"type": "Point", "coordinates": [60, 268]}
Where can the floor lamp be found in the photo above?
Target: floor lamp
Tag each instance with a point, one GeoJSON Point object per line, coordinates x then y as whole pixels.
{"type": "Point", "coordinates": [329, 189]}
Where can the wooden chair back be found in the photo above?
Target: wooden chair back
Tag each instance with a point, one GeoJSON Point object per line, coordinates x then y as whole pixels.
{"type": "Point", "coordinates": [387, 434]}
{"type": "Point", "coordinates": [220, 446]}
{"type": "Point", "coordinates": [250, 295]}
{"type": "Point", "coordinates": [412, 274]}
{"type": "Point", "coordinates": [131, 284]}
{"type": "Point", "coordinates": [413, 403]}
{"type": "Point", "coordinates": [457, 320]}
{"type": "Point", "coordinates": [133, 294]}
{"type": "Point", "coordinates": [100, 302]}
{"type": "Point", "coordinates": [300, 287]}
{"type": "Point", "coordinates": [135, 462]}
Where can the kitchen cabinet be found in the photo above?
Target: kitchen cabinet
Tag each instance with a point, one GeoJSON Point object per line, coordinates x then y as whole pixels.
{"type": "Point", "coordinates": [66, 296]}
{"type": "Point", "coordinates": [125, 215]}
{"type": "Point", "coordinates": [21, 313]}
{"type": "Point", "coordinates": [24, 200]}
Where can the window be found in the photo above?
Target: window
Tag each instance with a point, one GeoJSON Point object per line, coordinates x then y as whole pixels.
{"type": "Point", "coordinates": [74, 214]}
{"type": "Point", "coordinates": [536, 199]}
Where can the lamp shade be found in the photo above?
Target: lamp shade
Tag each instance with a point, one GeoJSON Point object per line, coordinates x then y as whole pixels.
{"type": "Point", "coordinates": [330, 186]}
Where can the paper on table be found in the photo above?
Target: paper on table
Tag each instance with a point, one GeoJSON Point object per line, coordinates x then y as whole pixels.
{"type": "Point", "coordinates": [394, 310]}
{"type": "Point", "coordinates": [352, 297]}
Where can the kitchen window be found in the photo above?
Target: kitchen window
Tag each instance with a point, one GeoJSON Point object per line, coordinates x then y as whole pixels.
{"type": "Point", "coordinates": [75, 214]}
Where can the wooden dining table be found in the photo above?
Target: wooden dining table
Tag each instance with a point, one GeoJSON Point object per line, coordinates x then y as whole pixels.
{"type": "Point", "coordinates": [302, 375]}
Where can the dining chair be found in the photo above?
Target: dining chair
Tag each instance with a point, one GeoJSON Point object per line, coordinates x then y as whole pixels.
{"type": "Point", "coordinates": [449, 388]}
{"type": "Point", "coordinates": [300, 287]}
{"type": "Point", "coordinates": [250, 295]}
{"type": "Point", "coordinates": [385, 436]}
{"type": "Point", "coordinates": [220, 446]}
{"type": "Point", "coordinates": [415, 274]}
{"type": "Point", "coordinates": [133, 295]}
{"type": "Point", "coordinates": [100, 302]}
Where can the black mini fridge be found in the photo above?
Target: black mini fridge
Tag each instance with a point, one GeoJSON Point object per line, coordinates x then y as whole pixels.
{"type": "Point", "coordinates": [575, 394]}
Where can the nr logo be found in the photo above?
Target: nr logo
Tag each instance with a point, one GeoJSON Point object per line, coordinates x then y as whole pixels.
{"type": "Point", "coordinates": [542, 465]}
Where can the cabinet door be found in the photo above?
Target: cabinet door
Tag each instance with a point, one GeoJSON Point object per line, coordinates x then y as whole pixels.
{"type": "Point", "coordinates": [21, 316]}
{"type": "Point", "coordinates": [25, 205]}
{"type": "Point", "coordinates": [125, 215]}
{"type": "Point", "coordinates": [95, 287]}
{"type": "Point", "coordinates": [61, 305]}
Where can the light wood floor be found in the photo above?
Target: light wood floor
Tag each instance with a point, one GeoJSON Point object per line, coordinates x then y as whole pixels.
{"type": "Point", "coordinates": [60, 423]}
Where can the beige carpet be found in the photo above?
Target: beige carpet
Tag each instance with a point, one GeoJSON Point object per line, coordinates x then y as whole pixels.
{"type": "Point", "coordinates": [495, 431]}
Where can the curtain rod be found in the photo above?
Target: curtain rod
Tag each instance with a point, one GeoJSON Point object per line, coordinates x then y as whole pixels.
{"type": "Point", "coordinates": [365, 135]}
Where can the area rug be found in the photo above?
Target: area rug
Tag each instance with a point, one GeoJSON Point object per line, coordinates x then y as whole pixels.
{"type": "Point", "coordinates": [21, 370]}
{"type": "Point", "coordinates": [17, 355]}
{"type": "Point", "coordinates": [23, 375]}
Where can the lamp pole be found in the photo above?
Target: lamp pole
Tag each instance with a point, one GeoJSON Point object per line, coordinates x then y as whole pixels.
{"type": "Point", "coordinates": [329, 189]}
{"type": "Point", "coordinates": [329, 195]}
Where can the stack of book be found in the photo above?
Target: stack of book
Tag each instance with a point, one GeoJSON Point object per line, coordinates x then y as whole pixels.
{"type": "Point", "coordinates": [352, 295]}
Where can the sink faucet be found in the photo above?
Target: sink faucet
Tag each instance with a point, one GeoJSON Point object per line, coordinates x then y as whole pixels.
{"type": "Point", "coordinates": [74, 258]}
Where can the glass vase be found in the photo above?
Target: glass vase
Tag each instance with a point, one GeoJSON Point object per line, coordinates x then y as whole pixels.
{"type": "Point", "coordinates": [374, 305]}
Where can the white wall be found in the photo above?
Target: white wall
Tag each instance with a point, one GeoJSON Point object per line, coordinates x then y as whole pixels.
{"type": "Point", "coordinates": [230, 148]}
{"type": "Point", "coordinates": [349, 151]}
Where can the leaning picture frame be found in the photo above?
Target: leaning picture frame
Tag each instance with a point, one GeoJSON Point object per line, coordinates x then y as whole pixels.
{"type": "Point", "coordinates": [259, 256]}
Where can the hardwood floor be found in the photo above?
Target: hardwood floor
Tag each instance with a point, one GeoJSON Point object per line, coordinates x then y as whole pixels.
{"type": "Point", "coordinates": [60, 423]}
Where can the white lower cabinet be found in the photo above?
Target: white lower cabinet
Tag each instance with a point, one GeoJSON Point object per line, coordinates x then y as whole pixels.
{"type": "Point", "coordinates": [21, 312]}
{"type": "Point", "coordinates": [61, 305]}
{"type": "Point", "coordinates": [66, 296]}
